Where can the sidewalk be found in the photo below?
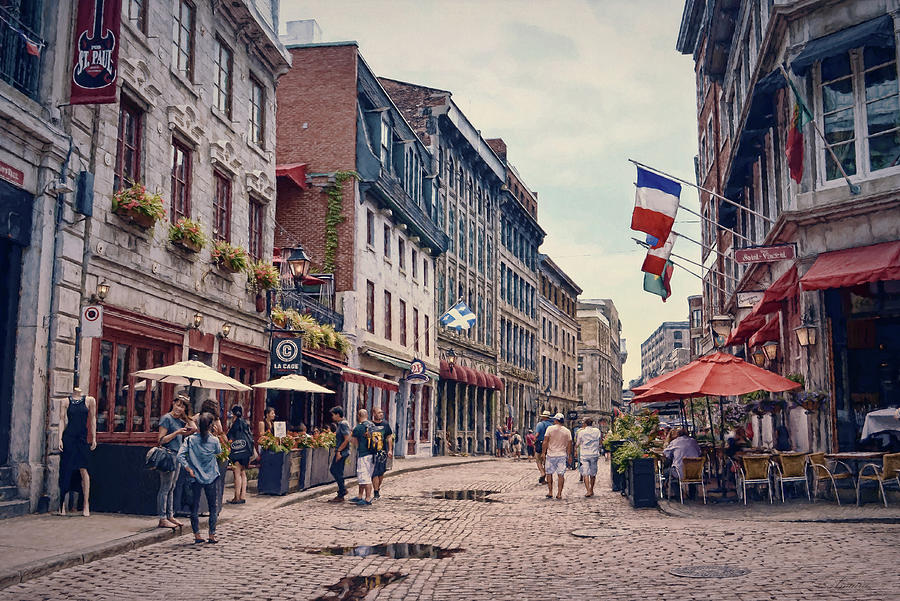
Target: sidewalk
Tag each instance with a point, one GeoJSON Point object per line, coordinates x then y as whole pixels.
{"type": "Point", "coordinates": [794, 510]}
{"type": "Point", "coordinates": [38, 544]}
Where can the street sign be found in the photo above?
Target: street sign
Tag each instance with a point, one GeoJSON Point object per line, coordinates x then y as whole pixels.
{"type": "Point", "coordinates": [285, 356]}
{"type": "Point", "coordinates": [764, 254]}
{"type": "Point", "coordinates": [417, 374]}
{"type": "Point", "coordinates": [572, 415]}
{"type": "Point", "coordinates": [92, 321]}
{"type": "Point", "coordinates": [748, 300]}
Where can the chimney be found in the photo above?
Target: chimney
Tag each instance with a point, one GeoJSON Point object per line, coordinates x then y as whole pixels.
{"type": "Point", "coordinates": [306, 31]}
{"type": "Point", "coordinates": [499, 147]}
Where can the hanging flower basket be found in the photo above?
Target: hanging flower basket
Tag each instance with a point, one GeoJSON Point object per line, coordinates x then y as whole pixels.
{"type": "Point", "coordinates": [232, 259]}
{"type": "Point", "coordinates": [138, 206]}
{"type": "Point", "coordinates": [188, 234]}
{"type": "Point", "coordinates": [263, 276]}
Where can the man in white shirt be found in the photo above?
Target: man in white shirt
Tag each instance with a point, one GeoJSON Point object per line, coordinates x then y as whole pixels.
{"type": "Point", "coordinates": [557, 449]}
{"type": "Point", "coordinates": [587, 440]}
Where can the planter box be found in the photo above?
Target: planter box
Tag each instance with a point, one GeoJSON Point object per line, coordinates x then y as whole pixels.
{"type": "Point", "coordinates": [139, 219]}
{"type": "Point", "coordinates": [279, 473]}
{"type": "Point", "coordinates": [641, 482]}
{"type": "Point", "coordinates": [187, 245]}
{"type": "Point", "coordinates": [616, 479]}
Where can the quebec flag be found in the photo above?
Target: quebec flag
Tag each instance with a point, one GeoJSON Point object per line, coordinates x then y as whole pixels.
{"type": "Point", "coordinates": [459, 317]}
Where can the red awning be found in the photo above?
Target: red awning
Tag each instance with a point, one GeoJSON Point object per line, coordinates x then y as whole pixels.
{"type": "Point", "coordinates": [745, 328]}
{"type": "Point", "coordinates": [782, 288]}
{"type": "Point", "coordinates": [767, 333]}
{"type": "Point", "coordinates": [296, 172]}
{"type": "Point", "coordinates": [854, 266]}
{"type": "Point", "coordinates": [468, 375]}
{"type": "Point", "coordinates": [355, 376]}
{"type": "Point", "coordinates": [498, 383]}
{"type": "Point", "coordinates": [480, 378]}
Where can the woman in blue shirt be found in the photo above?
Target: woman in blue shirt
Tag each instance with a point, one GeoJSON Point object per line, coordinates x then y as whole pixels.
{"type": "Point", "coordinates": [198, 457]}
{"type": "Point", "coordinates": [173, 427]}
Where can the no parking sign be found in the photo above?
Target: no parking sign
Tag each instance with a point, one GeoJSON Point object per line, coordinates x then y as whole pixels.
{"type": "Point", "coordinates": [92, 321]}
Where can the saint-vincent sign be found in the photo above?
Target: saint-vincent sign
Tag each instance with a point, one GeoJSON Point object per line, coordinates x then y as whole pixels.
{"type": "Point", "coordinates": [96, 52]}
{"type": "Point", "coordinates": [764, 254]}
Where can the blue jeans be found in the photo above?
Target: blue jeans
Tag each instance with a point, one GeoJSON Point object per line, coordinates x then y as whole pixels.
{"type": "Point", "coordinates": [165, 498]}
{"type": "Point", "coordinates": [337, 472]}
{"type": "Point", "coordinates": [211, 491]}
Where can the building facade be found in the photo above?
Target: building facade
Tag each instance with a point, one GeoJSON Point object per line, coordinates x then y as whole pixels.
{"type": "Point", "coordinates": [469, 176]}
{"type": "Point", "coordinates": [839, 213]}
{"type": "Point", "coordinates": [695, 319]}
{"type": "Point", "coordinates": [658, 347]}
{"type": "Point", "coordinates": [559, 338]}
{"type": "Point", "coordinates": [600, 357]}
{"type": "Point", "coordinates": [371, 183]}
{"type": "Point", "coordinates": [191, 121]}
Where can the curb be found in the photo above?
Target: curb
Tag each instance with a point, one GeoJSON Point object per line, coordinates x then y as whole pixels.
{"type": "Point", "coordinates": [42, 567]}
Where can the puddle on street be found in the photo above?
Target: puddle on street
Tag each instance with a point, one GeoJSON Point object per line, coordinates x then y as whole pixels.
{"type": "Point", "coordinates": [464, 495]}
{"type": "Point", "coordinates": [392, 550]}
{"type": "Point", "coordinates": [355, 588]}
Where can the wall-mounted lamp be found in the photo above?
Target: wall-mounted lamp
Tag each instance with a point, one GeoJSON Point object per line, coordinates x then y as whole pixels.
{"type": "Point", "coordinates": [226, 330]}
{"type": "Point", "coordinates": [451, 357]}
{"type": "Point", "coordinates": [759, 357]}
{"type": "Point", "coordinates": [806, 334]}
{"type": "Point", "coordinates": [771, 350]}
{"type": "Point", "coordinates": [720, 325]}
{"type": "Point", "coordinates": [102, 291]}
{"type": "Point", "coordinates": [197, 321]}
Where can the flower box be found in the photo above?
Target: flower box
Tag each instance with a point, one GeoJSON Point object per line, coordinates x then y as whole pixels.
{"type": "Point", "coordinates": [279, 473]}
{"type": "Point", "coordinates": [138, 206]}
{"type": "Point", "coordinates": [137, 218]}
{"type": "Point", "coordinates": [187, 234]}
{"type": "Point", "coordinates": [228, 257]}
{"type": "Point", "coordinates": [618, 479]}
{"type": "Point", "coordinates": [188, 245]}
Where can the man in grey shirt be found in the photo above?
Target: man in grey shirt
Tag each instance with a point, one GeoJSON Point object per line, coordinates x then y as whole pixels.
{"type": "Point", "coordinates": [682, 446]}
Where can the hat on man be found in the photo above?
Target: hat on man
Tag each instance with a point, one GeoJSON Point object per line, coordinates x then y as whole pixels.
{"type": "Point", "coordinates": [559, 417]}
{"type": "Point", "coordinates": [546, 414]}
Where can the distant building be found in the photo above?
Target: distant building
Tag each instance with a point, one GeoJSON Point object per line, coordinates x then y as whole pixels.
{"type": "Point", "coordinates": [600, 356]}
{"type": "Point", "coordinates": [695, 318]}
{"type": "Point", "coordinates": [559, 354]}
{"type": "Point", "coordinates": [657, 348]}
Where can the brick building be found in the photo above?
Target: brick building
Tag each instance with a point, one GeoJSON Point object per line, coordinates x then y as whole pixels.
{"type": "Point", "coordinates": [559, 338]}
{"type": "Point", "coordinates": [335, 117]}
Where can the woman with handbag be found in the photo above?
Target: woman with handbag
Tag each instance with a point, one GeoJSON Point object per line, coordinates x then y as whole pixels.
{"type": "Point", "coordinates": [173, 427]}
{"type": "Point", "coordinates": [198, 457]}
{"type": "Point", "coordinates": [241, 453]}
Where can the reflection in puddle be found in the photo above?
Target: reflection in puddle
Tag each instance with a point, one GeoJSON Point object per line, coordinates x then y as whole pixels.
{"type": "Point", "coordinates": [464, 495]}
{"type": "Point", "coordinates": [392, 550]}
{"type": "Point", "coordinates": [355, 588]}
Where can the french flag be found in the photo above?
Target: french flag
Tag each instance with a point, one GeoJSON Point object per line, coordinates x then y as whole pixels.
{"type": "Point", "coordinates": [655, 261]}
{"type": "Point", "coordinates": [655, 205]}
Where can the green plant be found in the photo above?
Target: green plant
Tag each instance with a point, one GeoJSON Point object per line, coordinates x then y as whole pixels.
{"type": "Point", "coordinates": [263, 276]}
{"type": "Point", "coordinates": [226, 449]}
{"type": "Point", "coordinates": [233, 257]}
{"type": "Point", "coordinates": [334, 216]}
{"type": "Point", "coordinates": [186, 229]}
{"type": "Point", "coordinates": [341, 343]}
{"type": "Point", "coordinates": [796, 377]}
{"type": "Point", "coordinates": [137, 199]}
{"type": "Point", "coordinates": [274, 444]}
{"type": "Point", "coordinates": [637, 432]}
{"type": "Point", "coordinates": [279, 317]}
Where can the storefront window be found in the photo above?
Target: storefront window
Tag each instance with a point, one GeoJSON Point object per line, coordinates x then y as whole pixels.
{"type": "Point", "coordinates": [123, 368]}
{"type": "Point", "coordinates": [106, 349]}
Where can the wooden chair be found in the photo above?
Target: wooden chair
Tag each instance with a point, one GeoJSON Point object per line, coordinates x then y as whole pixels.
{"type": "Point", "coordinates": [889, 472]}
{"type": "Point", "coordinates": [791, 467]}
{"type": "Point", "coordinates": [754, 470]}
{"type": "Point", "coordinates": [693, 473]}
{"type": "Point", "coordinates": [825, 471]}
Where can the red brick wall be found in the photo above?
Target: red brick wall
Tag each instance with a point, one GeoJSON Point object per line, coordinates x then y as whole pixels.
{"type": "Point", "coordinates": [319, 91]}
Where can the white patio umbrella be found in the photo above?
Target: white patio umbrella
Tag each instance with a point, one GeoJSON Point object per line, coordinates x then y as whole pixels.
{"type": "Point", "coordinates": [295, 383]}
{"type": "Point", "coordinates": [191, 373]}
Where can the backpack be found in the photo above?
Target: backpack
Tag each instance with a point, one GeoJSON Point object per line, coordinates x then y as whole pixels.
{"type": "Point", "coordinates": [241, 449]}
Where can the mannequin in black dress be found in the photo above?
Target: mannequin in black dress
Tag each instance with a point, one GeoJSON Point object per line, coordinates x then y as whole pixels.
{"type": "Point", "coordinates": [77, 425]}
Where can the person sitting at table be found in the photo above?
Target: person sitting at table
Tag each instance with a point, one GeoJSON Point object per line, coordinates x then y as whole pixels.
{"type": "Point", "coordinates": [680, 447]}
{"type": "Point", "coordinates": [735, 441]}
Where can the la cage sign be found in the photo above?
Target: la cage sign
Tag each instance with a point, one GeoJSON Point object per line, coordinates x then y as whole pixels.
{"type": "Point", "coordinates": [285, 357]}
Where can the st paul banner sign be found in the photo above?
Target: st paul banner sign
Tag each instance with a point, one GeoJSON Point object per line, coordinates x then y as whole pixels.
{"type": "Point", "coordinates": [96, 59]}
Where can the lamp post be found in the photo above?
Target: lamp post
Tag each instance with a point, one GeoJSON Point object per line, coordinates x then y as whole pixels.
{"type": "Point", "coordinates": [720, 326]}
{"type": "Point", "coordinates": [299, 263]}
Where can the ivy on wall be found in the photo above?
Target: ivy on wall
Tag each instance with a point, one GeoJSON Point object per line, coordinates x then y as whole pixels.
{"type": "Point", "coordinates": [334, 216]}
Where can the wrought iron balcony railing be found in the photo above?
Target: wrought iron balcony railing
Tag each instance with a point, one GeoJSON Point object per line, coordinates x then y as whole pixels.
{"type": "Point", "coordinates": [21, 50]}
{"type": "Point", "coordinates": [309, 304]}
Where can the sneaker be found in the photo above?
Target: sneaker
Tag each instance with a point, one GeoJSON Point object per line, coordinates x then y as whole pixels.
{"type": "Point", "coordinates": [355, 500]}
{"type": "Point", "coordinates": [377, 495]}
{"type": "Point", "coordinates": [363, 502]}
{"type": "Point", "coordinates": [542, 480]}
{"type": "Point", "coordinates": [337, 499]}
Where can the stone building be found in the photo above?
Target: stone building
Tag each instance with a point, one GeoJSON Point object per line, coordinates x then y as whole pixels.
{"type": "Point", "coordinates": [469, 176]}
{"type": "Point", "coordinates": [698, 331]}
{"type": "Point", "coordinates": [192, 120]}
{"type": "Point", "coordinates": [559, 338]}
{"type": "Point", "coordinates": [518, 241]}
{"type": "Point", "coordinates": [658, 347]}
{"type": "Point", "coordinates": [335, 117]}
{"type": "Point", "coordinates": [826, 303]}
{"type": "Point", "coordinates": [600, 357]}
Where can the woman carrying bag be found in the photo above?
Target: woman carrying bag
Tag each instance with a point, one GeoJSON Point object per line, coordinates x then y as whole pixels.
{"type": "Point", "coordinates": [241, 453]}
{"type": "Point", "coordinates": [198, 457]}
{"type": "Point", "coordinates": [173, 427]}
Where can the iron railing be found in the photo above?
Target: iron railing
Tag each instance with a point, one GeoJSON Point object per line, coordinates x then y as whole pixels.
{"type": "Point", "coordinates": [308, 304]}
{"type": "Point", "coordinates": [18, 67]}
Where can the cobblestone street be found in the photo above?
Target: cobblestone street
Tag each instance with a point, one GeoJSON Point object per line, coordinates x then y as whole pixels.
{"type": "Point", "coordinates": [518, 547]}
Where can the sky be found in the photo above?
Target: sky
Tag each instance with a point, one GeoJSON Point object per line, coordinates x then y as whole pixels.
{"type": "Point", "coordinates": [575, 88]}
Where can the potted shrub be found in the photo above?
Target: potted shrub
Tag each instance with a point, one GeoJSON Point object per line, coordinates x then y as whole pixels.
{"type": "Point", "coordinates": [188, 234]}
{"type": "Point", "coordinates": [138, 206]}
{"type": "Point", "coordinates": [279, 317]}
{"type": "Point", "coordinates": [231, 258]}
{"type": "Point", "coordinates": [274, 464]}
{"type": "Point", "coordinates": [629, 438]}
{"type": "Point", "coordinates": [263, 276]}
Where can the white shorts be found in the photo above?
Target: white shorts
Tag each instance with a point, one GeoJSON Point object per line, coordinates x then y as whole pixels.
{"type": "Point", "coordinates": [555, 466]}
{"type": "Point", "coordinates": [589, 466]}
{"type": "Point", "coordinates": [364, 468]}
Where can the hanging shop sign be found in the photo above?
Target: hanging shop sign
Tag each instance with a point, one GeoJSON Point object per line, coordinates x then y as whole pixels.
{"type": "Point", "coordinates": [12, 175]}
{"type": "Point", "coordinates": [764, 254]}
{"type": "Point", "coordinates": [285, 356]}
{"type": "Point", "coordinates": [92, 321]}
{"type": "Point", "coordinates": [748, 300]}
{"type": "Point", "coordinates": [96, 56]}
{"type": "Point", "coordinates": [417, 373]}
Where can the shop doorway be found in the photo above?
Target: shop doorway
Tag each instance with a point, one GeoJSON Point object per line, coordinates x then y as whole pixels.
{"type": "Point", "coordinates": [11, 268]}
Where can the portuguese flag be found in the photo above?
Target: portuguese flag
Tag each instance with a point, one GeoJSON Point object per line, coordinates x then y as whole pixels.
{"type": "Point", "coordinates": [794, 149]}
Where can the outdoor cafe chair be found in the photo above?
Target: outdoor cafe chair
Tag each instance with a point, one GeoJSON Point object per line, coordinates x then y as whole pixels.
{"type": "Point", "coordinates": [693, 473]}
{"type": "Point", "coordinates": [824, 471]}
{"type": "Point", "coordinates": [660, 474]}
{"type": "Point", "coordinates": [889, 472]}
{"type": "Point", "coordinates": [791, 467]}
{"type": "Point", "coordinates": [754, 470]}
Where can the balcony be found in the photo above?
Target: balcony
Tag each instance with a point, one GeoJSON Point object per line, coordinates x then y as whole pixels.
{"type": "Point", "coordinates": [18, 67]}
{"type": "Point", "coordinates": [390, 190]}
{"type": "Point", "coordinates": [311, 303]}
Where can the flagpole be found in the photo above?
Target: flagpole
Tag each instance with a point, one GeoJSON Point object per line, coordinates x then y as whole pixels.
{"type": "Point", "coordinates": [433, 325]}
{"type": "Point", "coordinates": [854, 189]}
{"type": "Point", "coordinates": [702, 189]}
{"type": "Point", "coordinates": [722, 227]}
{"type": "Point", "coordinates": [701, 245]}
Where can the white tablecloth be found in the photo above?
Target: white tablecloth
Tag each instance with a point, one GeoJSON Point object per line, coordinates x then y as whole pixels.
{"type": "Point", "coordinates": [879, 421]}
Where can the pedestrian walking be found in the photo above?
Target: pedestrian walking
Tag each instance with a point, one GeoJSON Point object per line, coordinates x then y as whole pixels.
{"type": "Point", "coordinates": [539, 432]}
{"type": "Point", "coordinates": [587, 441]}
{"type": "Point", "coordinates": [529, 442]}
{"type": "Point", "coordinates": [362, 435]}
{"type": "Point", "coordinates": [382, 444]}
{"type": "Point", "coordinates": [498, 441]}
{"type": "Point", "coordinates": [341, 452]}
{"type": "Point", "coordinates": [241, 454]}
{"type": "Point", "coordinates": [173, 427]}
{"type": "Point", "coordinates": [198, 457]}
{"type": "Point", "coordinates": [557, 449]}
{"type": "Point", "coordinates": [516, 443]}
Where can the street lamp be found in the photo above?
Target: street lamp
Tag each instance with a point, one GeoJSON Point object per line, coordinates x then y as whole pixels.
{"type": "Point", "coordinates": [720, 325]}
{"type": "Point", "coordinates": [451, 358]}
{"type": "Point", "coordinates": [102, 290]}
{"type": "Point", "coordinates": [226, 330]}
{"type": "Point", "coordinates": [299, 263]}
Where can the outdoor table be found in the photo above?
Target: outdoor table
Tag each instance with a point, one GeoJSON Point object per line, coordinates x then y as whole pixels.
{"type": "Point", "coordinates": [855, 458]}
{"type": "Point", "coordinates": [880, 421]}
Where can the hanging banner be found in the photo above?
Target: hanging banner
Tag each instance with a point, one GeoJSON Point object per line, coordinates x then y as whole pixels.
{"type": "Point", "coordinates": [96, 57]}
{"type": "Point", "coordinates": [285, 357]}
{"type": "Point", "coordinates": [417, 374]}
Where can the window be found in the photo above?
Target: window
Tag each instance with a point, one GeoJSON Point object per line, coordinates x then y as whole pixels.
{"type": "Point", "coordinates": [385, 141]}
{"type": "Point", "coordinates": [837, 115]}
{"type": "Point", "coordinates": [183, 39]}
{"type": "Point", "coordinates": [401, 253]}
{"type": "Point", "coordinates": [128, 145]}
{"type": "Point", "coordinates": [137, 14]}
{"type": "Point", "coordinates": [414, 263]}
{"type": "Point", "coordinates": [257, 113]}
{"type": "Point", "coordinates": [882, 110]}
{"type": "Point", "coordinates": [415, 329]}
{"type": "Point", "coordinates": [222, 207]}
{"type": "Point", "coordinates": [696, 318]}
{"type": "Point", "coordinates": [370, 307]}
{"type": "Point", "coordinates": [425, 272]}
{"type": "Point", "coordinates": [370, 229]}
{"type": "Point", "coordinates": [224, 65]}
{"type": "Point", "coordinates": [255, 246]}
{"type": "Point", "coordinates": [403, 323]}
{"type": "Point", "coordinates": [676, 335]}
{"type": "Point", "coordinates": [388, 321]}
{"type": "Point", "coordinates": [387, 242]}
{"type": "Point", "coordinates": [181, 181]}
{"type": "Point", "coordinates": [427, 336]}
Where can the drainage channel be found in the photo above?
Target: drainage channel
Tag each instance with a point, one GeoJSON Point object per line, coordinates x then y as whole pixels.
{"type": "Point", "coordinates": [355, 588]}
{"type": "Point", "coordinates": [392, 550]}
{"type": "Point", "coordinates": [464, 495]}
